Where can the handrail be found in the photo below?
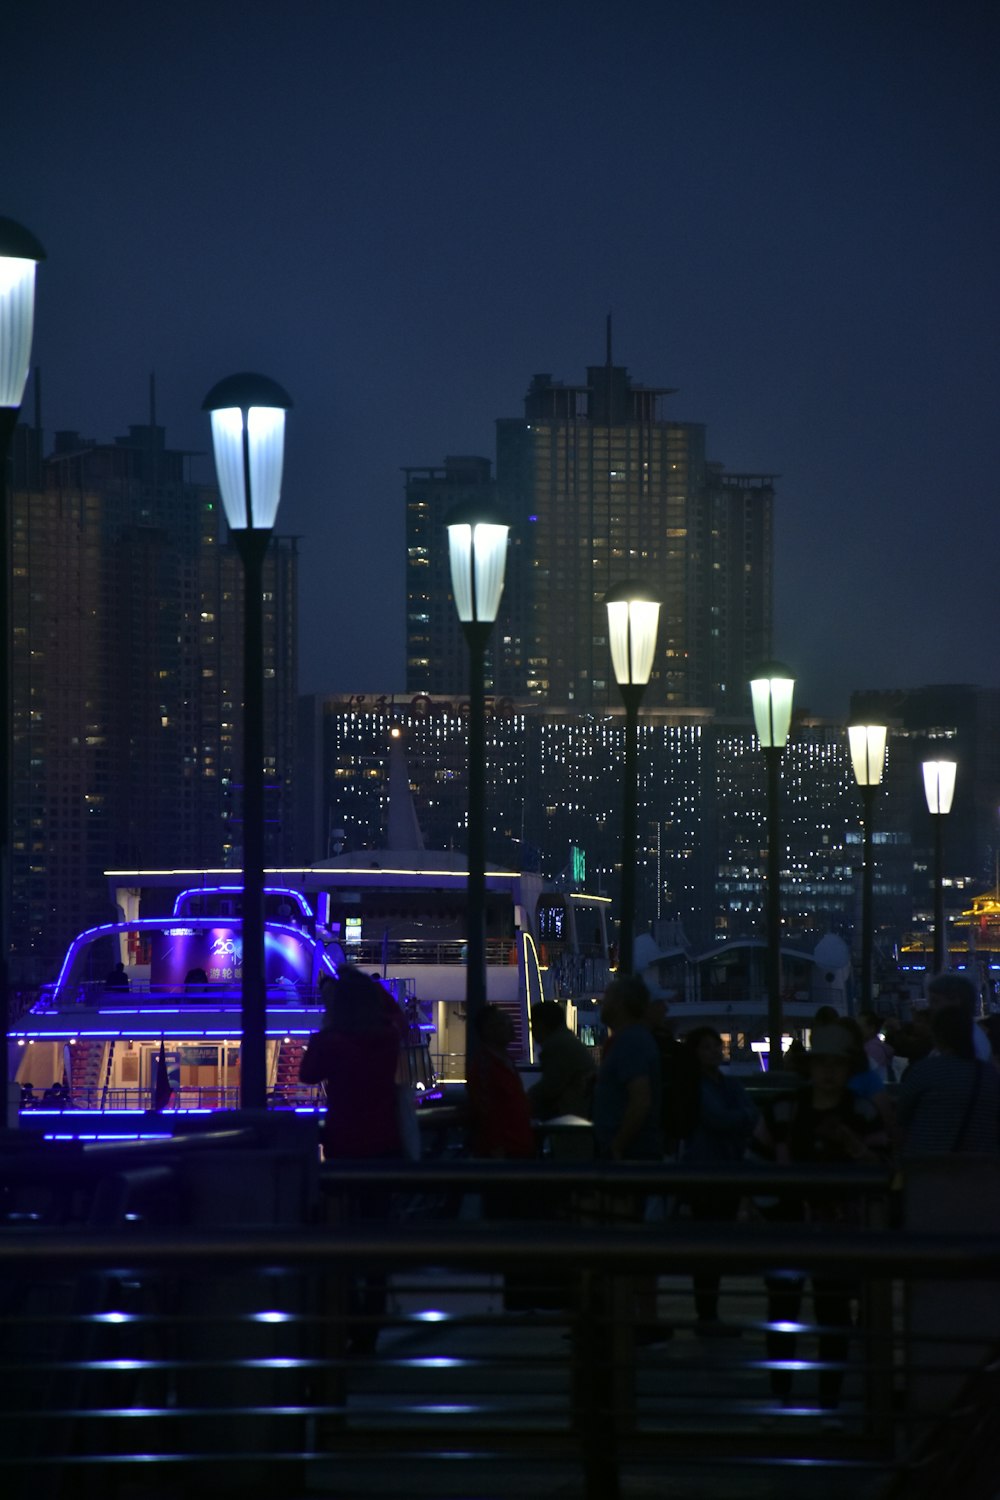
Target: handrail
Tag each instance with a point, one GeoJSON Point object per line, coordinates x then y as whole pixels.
{"type": "Point", "coordinates": [147, 1356]}
{"type": "Point", "coordinates": [878, 1253]}
{"type": "Point", "coordinates": [476, 1174]}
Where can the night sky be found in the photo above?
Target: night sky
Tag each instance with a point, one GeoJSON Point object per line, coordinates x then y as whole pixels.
{"type": "Point", "coordinates": [403, 211]}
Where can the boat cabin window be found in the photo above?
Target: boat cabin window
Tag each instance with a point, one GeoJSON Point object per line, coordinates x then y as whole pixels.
{"type": "Point", "coordinates": [286, 906]}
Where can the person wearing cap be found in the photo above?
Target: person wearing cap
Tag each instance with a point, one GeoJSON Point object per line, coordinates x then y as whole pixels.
{"type": "Point", "coordinates": [822, 1123]}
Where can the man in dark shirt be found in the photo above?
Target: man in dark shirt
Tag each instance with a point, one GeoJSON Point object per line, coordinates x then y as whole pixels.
{"type": "Point", "coordinates": [627, 1101]}
{"type": "Point", "coordinates": [627, 1117]}
{"type": "Point", "coordinates": [566, 1086]}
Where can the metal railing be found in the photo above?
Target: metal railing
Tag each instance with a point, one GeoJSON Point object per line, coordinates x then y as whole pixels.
{"type": "Point", "coordinates": [510, 1348]}
{"type": "Point", "coordinates": [93, 994]}
{"type": "Point", "coordinates": [402, 952]}
{"type": "Point", "coordinates": [112, 1098]}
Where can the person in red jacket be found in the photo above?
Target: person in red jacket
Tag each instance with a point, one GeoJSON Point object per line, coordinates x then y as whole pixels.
{"type": "Point", "coordinates": [356, 1054]}
{"type": "Point", "coordinates": [499, 1125]}
{"type": "Point", "coordinates": [499, 1115]}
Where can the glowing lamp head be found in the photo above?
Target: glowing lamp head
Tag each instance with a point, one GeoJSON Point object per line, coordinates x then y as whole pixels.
{"type": "Point", "coordinates": [477, 551]}
{"type": "Point", "coordinates": [939, 785]}
{"type": "Point", "coordinates": [633, 617]}
{"type": "Point", "coordinates": [771, 692]}
{"type": "Point", "coordinates": [20, 252]}
{"type": "Point", "coordinates": [248, 436]}
{"type": "Point", "coordinates": [867, 742]}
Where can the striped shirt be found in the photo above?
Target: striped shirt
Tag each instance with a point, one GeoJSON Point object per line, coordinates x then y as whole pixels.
{"type": "Point", "coordinates": [934, 1101]}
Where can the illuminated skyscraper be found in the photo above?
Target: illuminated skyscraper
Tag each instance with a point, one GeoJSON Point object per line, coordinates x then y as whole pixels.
{"type": "Point", "coordinates": [127, 643]}
{"type": "Point", "coordinates": [437, 658]}
{"type": "Point", "coordinates": [599, 486]}
{"type": "Point", "coordinates": [553, 776]}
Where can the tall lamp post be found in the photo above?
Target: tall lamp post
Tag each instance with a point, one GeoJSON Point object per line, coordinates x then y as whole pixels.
{"type": "Point", "coordinates": [771, 692]}
{"type": "Point", "coordinates": [20, 252]}
{"type": "Point", "coordinates": [248, 436]}
{"type": "Point", "coordinates": [633, 617]}
{"type": "Point", "coordinates": [867, 742]}
{"type": "Point", "coordinates": [939, 789]}
{"type": "Point", "coordinates": [477, 550]}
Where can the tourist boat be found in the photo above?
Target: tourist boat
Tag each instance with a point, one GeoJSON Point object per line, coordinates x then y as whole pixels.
{"type": "Point", "coordinates": [162, 983]}
{"type": "Point", "coordinates": [146, 994]}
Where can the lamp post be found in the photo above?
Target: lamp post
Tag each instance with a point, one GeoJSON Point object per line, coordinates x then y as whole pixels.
{"type": "Point", "coordinates": [939, 789]}
{"type": "Point", "coordinates": [477, 550]}
{"type": "Point", "coordinates": [248, 436]}
{"type": "Point", "coordinates": [771, 693]}
{"type": "Point", "coordinates": [20, 253]}
{"type": "Point", "coordinates": [633, 617]}
{"type": "Point", "coordinates": [867, 742]}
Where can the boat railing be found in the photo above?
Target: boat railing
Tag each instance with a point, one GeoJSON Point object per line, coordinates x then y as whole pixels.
{"type": "Point", "coordinates": [379, 952]}
{"type": "Point", "coordinates": [187, 1097]}
{"type": "Point", "coordinates": [449, 1067]}
{"type": "Point", "coordinates": [93, 994]}
{"type": "Point", "coordinates": [578, 974]}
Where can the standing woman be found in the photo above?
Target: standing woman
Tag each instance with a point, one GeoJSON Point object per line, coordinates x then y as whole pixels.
{"type": "Point", "coordinates": [498, 1119]}
{"type": "Point", "coordinates": [356, 1054]}
{"type": "Point", "coordinates": [497, 1110]}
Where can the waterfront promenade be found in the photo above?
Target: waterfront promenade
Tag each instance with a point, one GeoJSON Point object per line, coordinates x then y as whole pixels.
{"type": "Point", "coordinates": [190, 1308]}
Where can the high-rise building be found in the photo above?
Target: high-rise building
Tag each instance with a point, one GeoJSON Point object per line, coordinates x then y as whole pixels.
{"type": "Point", "coordinates": [436, 653]}
{"type": "Point", "coordinates": [599, 487]}
{"type": "Point", "coordinates": [554, 786]}
{"type": "Point", "coordinates": [127, 685]}
{"type": "Point", "coordinates": [959, 722]}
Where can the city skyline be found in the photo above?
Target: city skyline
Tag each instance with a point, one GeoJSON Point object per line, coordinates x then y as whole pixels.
{"type": "Point", "coordinates": [401, 216]}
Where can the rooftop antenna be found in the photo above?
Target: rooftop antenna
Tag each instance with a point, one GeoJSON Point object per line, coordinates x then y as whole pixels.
{"type": "Point", "coordinates": [153, 465]}
{"type": "Point", "coordinates": [403, 830]}
{"type": "Point", "coordinates": [38, 445]}
{"type": "Point", "coordinates": [608, 370]}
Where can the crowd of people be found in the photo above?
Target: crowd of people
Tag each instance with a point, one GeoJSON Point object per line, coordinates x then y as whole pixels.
{"type": "Point", "coordinates": [865, 1090]}
{"type": "Point", "coordinates": [852, 1096]}
{"type": "Point", "coordinates": [929, 1085]}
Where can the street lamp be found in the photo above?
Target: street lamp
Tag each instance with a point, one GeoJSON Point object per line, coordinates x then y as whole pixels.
{"type": "Point", "coordinates": [771, 693]}
{"type": "Point", "coordinates": [633, 617]}
{"type": "Point", "coordinates": [939, 789]}
{"type": "Point", "coordinates": [867, 742]}
{"type": "Point", "coordinates": [20, 252]}
{"type": "Point", "coordinates": [248, 436]}
{"type": "Point", "coordinates": [477, 550]}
